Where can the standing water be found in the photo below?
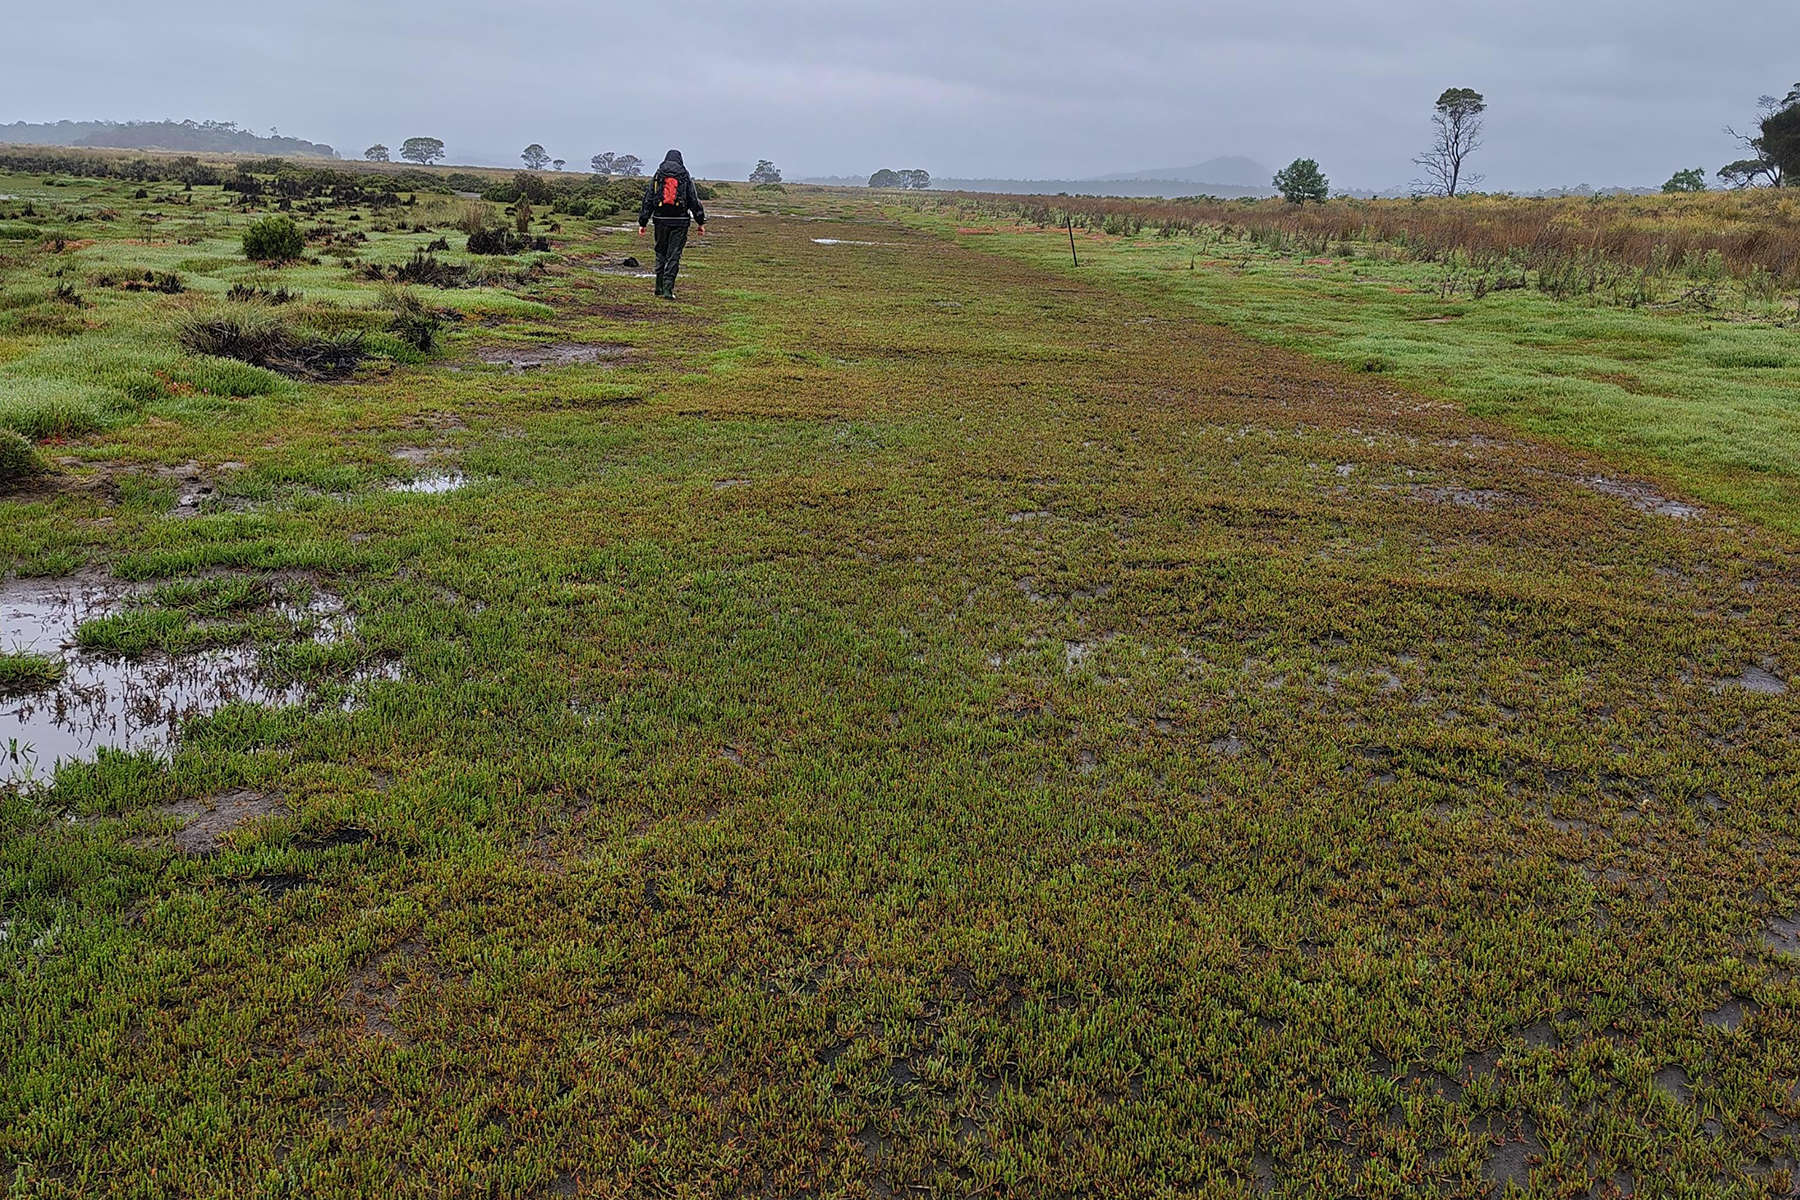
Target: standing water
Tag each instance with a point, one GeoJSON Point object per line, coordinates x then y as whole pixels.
{"type": "Point", "coordinates": [106, 701]}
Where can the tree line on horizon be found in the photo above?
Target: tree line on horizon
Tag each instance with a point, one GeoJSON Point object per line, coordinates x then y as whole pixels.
{"type": "Point", "coordinates": [1458, 119]}
{"type": "Point", "coordinates": [188, 137]}
{"type": "Point", "coordinates": [1458, 123]}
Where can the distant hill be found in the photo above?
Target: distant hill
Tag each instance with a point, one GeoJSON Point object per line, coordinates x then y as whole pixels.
{"type": "Point", "coordinates": [1225, 178]}
{"type": "Point", "coordinates": [1134, 187]}
{"type": "Point", "coordinates": [713, 170]}
{"type": "Point", "coordinates": [216, 137]}
{"type": "Point", "coordinates": [1232, 171]}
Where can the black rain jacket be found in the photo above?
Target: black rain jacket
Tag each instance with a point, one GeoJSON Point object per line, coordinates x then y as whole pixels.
{"type": "Point", "coordinates": [687, 199]}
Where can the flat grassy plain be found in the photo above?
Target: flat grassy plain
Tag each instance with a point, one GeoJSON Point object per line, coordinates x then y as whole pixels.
{"type": "Point", "coordinates": [906, 719]}
{"type": "Point", "coordinates": [1693, 374]}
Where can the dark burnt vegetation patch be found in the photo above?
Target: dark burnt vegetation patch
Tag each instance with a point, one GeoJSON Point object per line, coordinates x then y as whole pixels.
{"type": "Point", "coordinates": [262, 339]}
{"type": "Point", "coordinates": [318, 342]}
{"type": "Point", "coordinates": [499, 240]}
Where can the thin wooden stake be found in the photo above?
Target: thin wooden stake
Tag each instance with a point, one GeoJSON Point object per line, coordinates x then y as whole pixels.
{"type": "Point", "coordinates": [1070, 218]}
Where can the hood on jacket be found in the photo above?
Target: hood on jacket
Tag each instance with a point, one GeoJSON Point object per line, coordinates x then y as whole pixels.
{"type": "Point", "coordinates": [672, 164]}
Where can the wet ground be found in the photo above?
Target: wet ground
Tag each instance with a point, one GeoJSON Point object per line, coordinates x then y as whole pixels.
{"type": "Point", "coordinates": [108, 701]}
{"type": "Point", "coordinates": [435, 483]}
{"type": "Point", "coordinates": [529, 356]}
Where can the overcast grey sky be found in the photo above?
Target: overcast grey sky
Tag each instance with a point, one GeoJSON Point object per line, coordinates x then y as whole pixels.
{"type": "Point", "coordinates": [1598, 91]}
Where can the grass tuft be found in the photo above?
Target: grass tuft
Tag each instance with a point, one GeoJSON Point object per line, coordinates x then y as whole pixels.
{"type": "Point", "coordinates": [27, 674]}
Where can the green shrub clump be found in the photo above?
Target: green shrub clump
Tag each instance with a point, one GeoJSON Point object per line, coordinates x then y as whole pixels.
{"type": "Point", "coordinates": [19, 460]}
{"type": "Point", "coordinates": [274, 240]}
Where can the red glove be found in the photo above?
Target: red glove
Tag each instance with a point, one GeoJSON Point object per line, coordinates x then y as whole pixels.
{"type": "Point", "coordinates": [700, 229]}
{"type": "Point", "coordinates": [640, 231]}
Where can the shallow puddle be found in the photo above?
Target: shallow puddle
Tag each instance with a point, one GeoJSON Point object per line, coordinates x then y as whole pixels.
{"type": "Point", "coordinates": [552, 354]}
{"type": "Point", "coordinates": [104, 701]}
{"type": "Point", "coordinates": [435, 484]}
{"type": "Point", "coordinates": [631, 269]}
{"type": "Point", "coordinates": [1641, 497]}
{"type": "Point", "coordinates": [846, 242]}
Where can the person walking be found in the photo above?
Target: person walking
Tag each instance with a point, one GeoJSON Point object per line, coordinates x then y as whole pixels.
{"type": "Point", "coordinates": [668, 201]}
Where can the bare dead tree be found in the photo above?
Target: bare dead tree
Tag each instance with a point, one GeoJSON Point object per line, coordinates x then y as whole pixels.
{"type": "Point", "coordinates": [1457, 119]}
{"type": "Point", "coordinates": [1761, 166]}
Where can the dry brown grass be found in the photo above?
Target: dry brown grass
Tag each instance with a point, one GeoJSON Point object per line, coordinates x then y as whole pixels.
{"type": "Point", "coordinates": [1751, 235]}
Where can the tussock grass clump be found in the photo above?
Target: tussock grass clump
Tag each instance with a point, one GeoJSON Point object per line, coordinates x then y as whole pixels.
{"type": "Point", "coordinates": [427, 269]}
{"type": "Point", "coordinates": [413, 321]}
{"type": "Point", "coordinates": [19, 460]}
{"type": "Point", "coordinates": [257, 335]}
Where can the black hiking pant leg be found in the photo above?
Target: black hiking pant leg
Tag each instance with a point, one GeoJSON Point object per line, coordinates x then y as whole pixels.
{"type": "Point", "coordinates": [671, 240]}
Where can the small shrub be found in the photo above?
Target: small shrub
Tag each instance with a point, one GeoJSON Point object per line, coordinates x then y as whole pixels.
{"type": "Point", "coordinates": [19, 460]}
{"type": "Point", "coordinates": [274, 240]}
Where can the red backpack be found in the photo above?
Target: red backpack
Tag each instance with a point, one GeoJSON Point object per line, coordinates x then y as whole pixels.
{"type": "Point", "coordinates": [671, 191]}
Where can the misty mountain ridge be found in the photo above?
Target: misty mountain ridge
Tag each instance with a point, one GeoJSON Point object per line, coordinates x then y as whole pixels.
{"type": "Point", "coordinates": [1229, 171]}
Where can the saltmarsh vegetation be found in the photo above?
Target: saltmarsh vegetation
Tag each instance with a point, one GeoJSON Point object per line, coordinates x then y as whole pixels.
{"type": "Point", "coordinates": [1661, 329]}
{"type": "Point", "coordinates": [993, 734]}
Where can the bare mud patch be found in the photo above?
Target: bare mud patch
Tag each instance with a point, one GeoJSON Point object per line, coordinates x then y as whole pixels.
{"type": "Point", "coordinates": [375, 992]}
{"type": "Point", "coordinates": [210, 822]}
{"type": "Point", "coordinates": [104, 699]}
{"type": "Point", "coordinates": [1456, 496]}
{"type": "Point", "coordinates": [1640, 496]}
{"type": "Point", "coordinates": [418, 456]}
{"type": "Point", "coordinates": [1783, 934]}
{"type": "Point", "coordinates": [1674, 1083]}
{"type": "Point", "coordinates": [1511, 1163]}
{"type": "Point", "coordinates": [1760, 680]}
{"type": "Point", "coordinates": [1730, 1015]}
{"type": "Point", "coordinates": [193, 489]}
{"type": "Point", "coordinates": [553, 354]}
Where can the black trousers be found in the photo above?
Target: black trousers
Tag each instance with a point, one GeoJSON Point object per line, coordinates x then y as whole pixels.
{"type": "Point", "coordinates": [671, 240]}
